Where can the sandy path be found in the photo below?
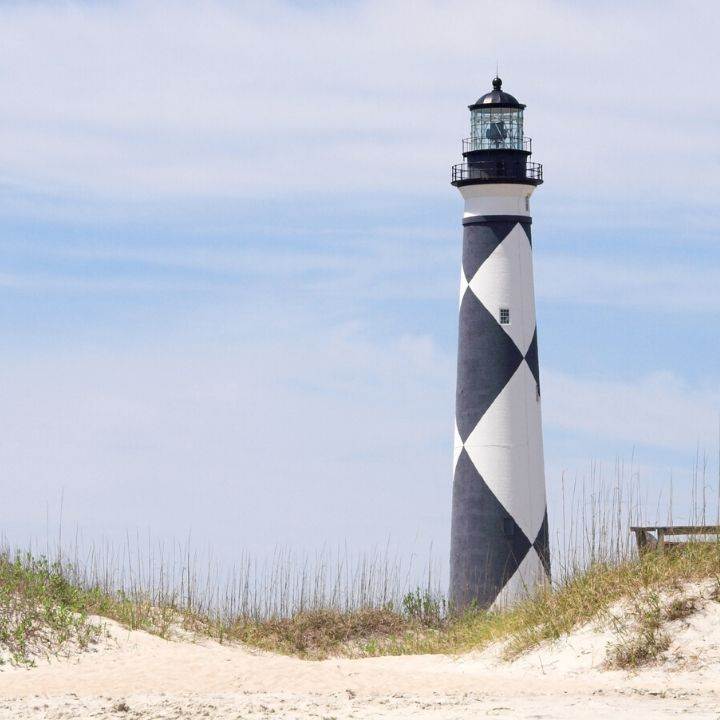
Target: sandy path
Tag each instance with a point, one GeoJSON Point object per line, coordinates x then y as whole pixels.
{"type": "Point", "coordinates": [161, 679]}
{"type": "Point", "coordinates": [262, 705]}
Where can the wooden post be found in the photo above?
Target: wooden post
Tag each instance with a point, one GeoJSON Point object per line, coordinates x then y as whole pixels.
{"type": "Point", "coordinates": [641, 540]}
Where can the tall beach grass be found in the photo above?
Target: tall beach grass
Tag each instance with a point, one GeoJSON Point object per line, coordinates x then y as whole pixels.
{"type": "Point", "coordinates": [337, 601]}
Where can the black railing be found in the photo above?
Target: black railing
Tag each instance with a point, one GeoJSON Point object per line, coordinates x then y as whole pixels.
{"type": "Point", "coordinates": [490, 170]}
{"type": "Point", "coordinates": [477, 143]}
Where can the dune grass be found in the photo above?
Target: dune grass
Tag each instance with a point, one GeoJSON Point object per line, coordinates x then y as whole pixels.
{"type": "Point", "coordinates": [364, 605]}
{"type": "Point", "coordinates": [44, 610]}
{"type": "Point", "coordinates": [588, 595]}
{"type": "Point", "coordinates": [41, 613]}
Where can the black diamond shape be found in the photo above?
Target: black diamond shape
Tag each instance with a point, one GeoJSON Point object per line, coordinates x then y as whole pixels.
{"type": "Point", "coordinates": [542, 544]}
{"type": "Point", "coordinates": [480, 241]}
{"type": "Point", "coordinates": [526, 227]}
{"type": "Point", "coordinates": [487, 359]}
{"type": "Point", "coordinates": [531, 358]}
{"type": "Point", "coordinates": [486, 546]}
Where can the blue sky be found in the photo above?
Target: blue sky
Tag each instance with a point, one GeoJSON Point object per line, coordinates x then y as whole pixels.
{"type": "Point", "coordinates": [229, 257]}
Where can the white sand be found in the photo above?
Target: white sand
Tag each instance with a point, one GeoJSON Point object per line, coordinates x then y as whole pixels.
{"type": "Point", "coordinates": [156, 678]}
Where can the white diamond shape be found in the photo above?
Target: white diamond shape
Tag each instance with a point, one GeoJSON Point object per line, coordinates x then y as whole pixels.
{"type": "Point", "coordinates": [524, 581]}
{"type": "Point", "coordinates": [506, 449]}
{"type": "Point", "coordinates": [463, 284]}
{"type": "Point", "coordinates": [457, 448]}
{"type": "Point", "coordinates": [505, 280]}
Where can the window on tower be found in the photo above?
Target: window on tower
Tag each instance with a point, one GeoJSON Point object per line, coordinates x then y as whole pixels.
{"type": "Point", "coordinates": [504, 316]}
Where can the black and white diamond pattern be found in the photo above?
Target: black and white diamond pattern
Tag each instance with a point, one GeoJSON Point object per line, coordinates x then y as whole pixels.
{"type": "Point", "coordinates": [487, 359]}
{"type": "Point", "coordinates": [505, 279]}
{"type": "Point", "coordinates": [499, 536]}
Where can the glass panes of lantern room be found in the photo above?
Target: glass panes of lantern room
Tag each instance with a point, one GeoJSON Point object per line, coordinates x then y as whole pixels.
{"type": "Point", "coordinates": [492, 128]}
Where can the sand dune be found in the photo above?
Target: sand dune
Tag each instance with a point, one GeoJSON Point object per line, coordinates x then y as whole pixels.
{"type": "Point", "coordinates": [133, 674]}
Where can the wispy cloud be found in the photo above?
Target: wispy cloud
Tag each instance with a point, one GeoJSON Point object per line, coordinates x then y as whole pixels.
{"type": "Point", "coordinates": [378, 263]}
{"type": "Point", "coordinates": [659, 410]}
{"type": "Point", "coordinates": [310, 435]}
{"type": "Point", "coordinates": [643, 282]}
{"type": "Point", "coordinates": [157, 100]}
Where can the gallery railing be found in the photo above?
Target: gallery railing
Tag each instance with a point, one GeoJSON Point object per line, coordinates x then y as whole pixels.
{"type": "Point", "coordinates": [489, 170]}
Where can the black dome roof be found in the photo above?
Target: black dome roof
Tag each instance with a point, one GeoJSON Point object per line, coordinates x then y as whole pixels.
{"type": "Point", "coordinates": [497, 98]}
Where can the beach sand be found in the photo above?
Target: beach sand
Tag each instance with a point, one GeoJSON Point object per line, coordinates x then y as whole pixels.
{"type": "Point", "coordinates": [133, 674]}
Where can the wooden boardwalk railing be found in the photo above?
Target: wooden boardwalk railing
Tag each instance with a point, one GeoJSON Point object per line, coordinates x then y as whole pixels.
{"type": "Point", "coordinates": [646, 540]}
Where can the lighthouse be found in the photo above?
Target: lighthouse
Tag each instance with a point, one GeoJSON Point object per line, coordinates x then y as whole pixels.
{"type": "Point", "coordinates": [499, 548]}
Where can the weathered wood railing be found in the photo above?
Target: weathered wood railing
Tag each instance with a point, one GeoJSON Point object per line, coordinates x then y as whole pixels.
{"type": "Point", "coordinates": [646, 540]}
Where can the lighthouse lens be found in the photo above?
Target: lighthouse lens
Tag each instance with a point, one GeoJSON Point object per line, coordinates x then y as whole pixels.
{"type": "Point", "coordinates": [496, 131]}
{"type": "Point", "coordinates": [493, 128]}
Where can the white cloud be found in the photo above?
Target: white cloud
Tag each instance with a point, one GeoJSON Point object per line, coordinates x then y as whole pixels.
{"type": "Point", "coordinates": [658, 410]}
{"type": "Point", "coordinates": [280, 431]}
{"type": "Point", "coordinates": [369, 263]}
{"type": "Point", "coordinates": [134, 101]}
{"type": "Point", "coordinates": [642, 282]}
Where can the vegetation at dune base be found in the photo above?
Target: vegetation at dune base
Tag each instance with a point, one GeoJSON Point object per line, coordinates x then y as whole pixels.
{"type": "Point", "coordinates": [40, 611]}
{"type": "Point", "coordinates": [45, 609]}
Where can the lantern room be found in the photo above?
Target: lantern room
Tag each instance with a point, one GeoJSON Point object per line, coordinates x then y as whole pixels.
{"type": "Point", "coordinates": [497, 149]}
{"type": "Point", "coordinates": [496, 121]}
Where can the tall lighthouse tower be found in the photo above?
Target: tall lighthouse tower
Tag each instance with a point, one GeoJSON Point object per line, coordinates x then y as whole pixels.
{"type": "Point", "coordinates": [499, 541]}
